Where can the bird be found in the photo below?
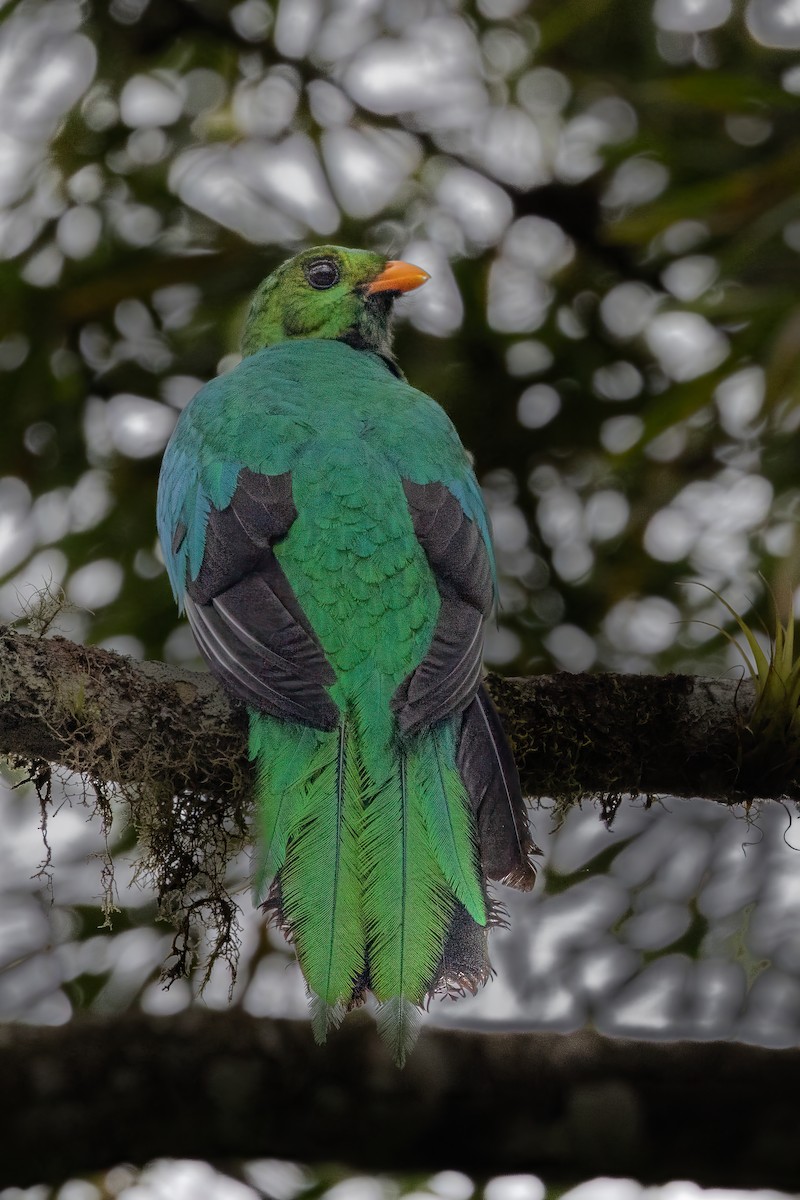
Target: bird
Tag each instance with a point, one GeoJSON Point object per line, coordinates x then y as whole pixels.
{"type": "Point", "coordinates": [325, 535]}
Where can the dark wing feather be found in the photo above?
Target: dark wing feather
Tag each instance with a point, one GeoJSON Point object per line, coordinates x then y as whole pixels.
{"type": "Point", "coordinates": [240, 537]}
{"type": "Point", "coordinates": [490, 775]}
{"type": "Point", "coordinates": [245, 617]}
{"type": "Point", "coordinates": [452, 541]}
{"type": "Point", "coordinates": [446, 679]}
{"type": "Point", "coordinates": [448, 676]}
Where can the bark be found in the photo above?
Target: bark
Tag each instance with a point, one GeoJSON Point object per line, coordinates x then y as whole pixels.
{"type": "Point", "coordinates": [573, 735]}
{"type": "Point", "coordinates": [106, 715]}
{"type": "Point", "coordinates": [216, 1086]}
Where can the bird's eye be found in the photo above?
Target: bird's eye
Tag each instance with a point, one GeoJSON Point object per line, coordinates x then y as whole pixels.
{"type": "Point", "coordinates": [322, 274]}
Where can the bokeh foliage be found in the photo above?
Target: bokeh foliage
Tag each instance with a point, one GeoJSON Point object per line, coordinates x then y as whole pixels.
{"type": "Point", "coordinates": [607, 199]}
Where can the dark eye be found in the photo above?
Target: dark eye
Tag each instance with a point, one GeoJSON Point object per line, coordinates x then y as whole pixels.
{"type": "Point", "coordinates": [322, 274]}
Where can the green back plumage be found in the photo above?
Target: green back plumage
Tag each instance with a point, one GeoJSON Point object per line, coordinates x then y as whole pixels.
{"type": "Point", "coordinates": [381, 839]}
{"type": "Point", "coordinates": [368, 841]}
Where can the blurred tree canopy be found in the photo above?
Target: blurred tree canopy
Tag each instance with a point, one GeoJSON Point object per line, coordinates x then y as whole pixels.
{"type": "Point", "coordinates": [606, 196]}
{"type": "Point", "coordinates": [606, 199]}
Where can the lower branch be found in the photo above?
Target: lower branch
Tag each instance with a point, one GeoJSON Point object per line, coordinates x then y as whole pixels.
{"type": "Point", "coordinates": [84, 1096]}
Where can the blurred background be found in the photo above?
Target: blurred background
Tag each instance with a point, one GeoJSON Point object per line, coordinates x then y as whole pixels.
{"type": "Point", "coordinates": [607, 196]}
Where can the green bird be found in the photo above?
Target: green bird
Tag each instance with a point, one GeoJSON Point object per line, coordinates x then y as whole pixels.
{"type": "Point", "coordinates": [326, 537]}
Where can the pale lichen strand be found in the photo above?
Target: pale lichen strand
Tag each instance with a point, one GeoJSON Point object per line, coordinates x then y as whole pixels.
{"type": "Point", "coordinates": [188, 835]}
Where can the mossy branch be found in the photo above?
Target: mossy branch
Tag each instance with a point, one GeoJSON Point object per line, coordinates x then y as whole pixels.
{"type": "Point", "coordinates": [117, 720]}
{"type": "Point", "coordinates": [574, 736]}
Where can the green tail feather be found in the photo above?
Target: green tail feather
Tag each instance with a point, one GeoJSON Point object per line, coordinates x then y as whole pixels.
{"type": "Point", "coordinates": [321, 876]}
{"type": "Point", "coordinates": [324, 1018]}
{"type": "Point", "coordinates": [448, 817]}
{"type": "Point", "coordinates": [283, 756]}
{"type": "Point", "coordinates": [372, 845]}
{"type": "Point", "coordinates": [310, 804]}
{"type": "Point", "coordinates": [407, 904]}
{"type": "Point", "coordinates": [398, 1022]}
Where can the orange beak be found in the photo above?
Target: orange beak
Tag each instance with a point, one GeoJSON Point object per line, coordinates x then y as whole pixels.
{"type": "Point", "coordinates": [397, 277]}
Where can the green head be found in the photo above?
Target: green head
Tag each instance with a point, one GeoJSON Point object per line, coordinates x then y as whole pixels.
{"type": "Point", "coordinates": [330, 292]}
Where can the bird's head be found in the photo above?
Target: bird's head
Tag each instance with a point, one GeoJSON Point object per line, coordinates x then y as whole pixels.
{"type": "Point", "coordinates": [330, 292]}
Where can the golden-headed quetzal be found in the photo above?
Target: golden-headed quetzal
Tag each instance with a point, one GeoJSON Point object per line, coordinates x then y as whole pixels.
{"type": "Point", "coordinates": [325, 535]}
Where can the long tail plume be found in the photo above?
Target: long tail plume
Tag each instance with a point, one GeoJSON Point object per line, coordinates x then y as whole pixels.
{"type": "Point", "coordinates": [379, 849]}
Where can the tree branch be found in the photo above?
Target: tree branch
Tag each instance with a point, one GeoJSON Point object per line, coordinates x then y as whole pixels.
{"type": "Point", "coordinates": [99, 1091]}
{"type": "Point", "coordinates": [574, 735]}
{"type": "Point", "coordinates": [111, 717]}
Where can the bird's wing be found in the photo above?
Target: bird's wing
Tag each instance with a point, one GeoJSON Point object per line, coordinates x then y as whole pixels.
{"type": "Point", "coordinates": [452, 525]}
{"type": "Point", "coordinates": [218, 524]}
{"type": "Point", "coordinates": [459, 554]}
